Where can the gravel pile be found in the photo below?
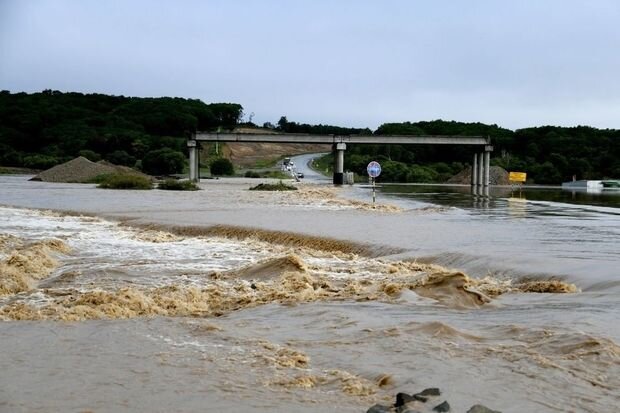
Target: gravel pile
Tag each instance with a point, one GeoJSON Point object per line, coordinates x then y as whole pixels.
{"type": "Point", "coordinates": [497, 176]}
{"type": "Point", "coordinates": [81, 170]}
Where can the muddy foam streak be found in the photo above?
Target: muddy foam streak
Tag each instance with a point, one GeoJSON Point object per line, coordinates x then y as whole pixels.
{"type": "Point", "coordinates": [284, 280]}
{"type": "Point", "coordinates": [25, 263]}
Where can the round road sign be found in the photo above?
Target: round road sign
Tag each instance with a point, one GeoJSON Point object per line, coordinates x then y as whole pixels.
{"type": "Point", "coordinates": [374, 169]}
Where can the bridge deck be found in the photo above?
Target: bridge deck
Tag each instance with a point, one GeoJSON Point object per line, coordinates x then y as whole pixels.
{"type": "Point", "coordinates": [331, 139]}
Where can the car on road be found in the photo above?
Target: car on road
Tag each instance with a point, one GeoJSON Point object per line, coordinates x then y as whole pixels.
{"type": "Point", "coordinates": [300, 175]}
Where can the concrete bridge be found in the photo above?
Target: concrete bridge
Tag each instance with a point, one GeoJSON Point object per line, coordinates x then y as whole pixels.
{"type": "Point", "coordinates": [480, 170]}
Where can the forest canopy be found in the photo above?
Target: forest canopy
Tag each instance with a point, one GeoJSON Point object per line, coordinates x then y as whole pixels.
{"type": "Point", "coordinates": [549, 154]}
{"type": "Point", "coordinates": [42, 129]}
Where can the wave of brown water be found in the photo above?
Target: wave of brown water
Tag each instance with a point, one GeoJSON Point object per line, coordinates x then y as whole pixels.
{"type": "Point", "coordinates": [163, 233]}
{"type": "Point", "coordinates": [26, 263]}
{"type": "Point", "coordinates": [303, 323]}
{"type": "Point", "coordinates": [285, 280]}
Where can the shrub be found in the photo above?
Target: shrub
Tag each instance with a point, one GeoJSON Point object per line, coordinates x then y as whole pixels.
{"type": "Point", "coordinates": [393, 171]}
{"type": "Point", "coordinates": [174, 185]}
{"type": "Point", "coordinates": [163, 162]}
{"type": "Point", "coordinates": [222, 166]}
{"type": "Point", "coordinates": [421, 174]}
{"type": "Point", "coordinates": [98, 179]}
{"type": "Point", "coordinates": [252, 174]}
{"type": "Point", "coordinates": [10, 157]}
{"type": "Point", "coordinates": [124, 181]}
{"type": "Point", "coordinates": [121, 158]}
{"type": "Point", "coordinates": [274, 187]}
{"type": "Point", "coordinates": [90, 155]}
{"type": "Point", "coordinates": [40, 161]}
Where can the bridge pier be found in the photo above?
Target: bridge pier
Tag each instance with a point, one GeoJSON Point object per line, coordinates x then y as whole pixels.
{"type": "Point", "coordinates": [474, 172]}
{"type": "Point", "coordinates": [339, 149]}
{"type": "Point", "coordinates": [487, 168]}
{"type": "Point", "coordinates": [480, 172]}
{"type": "Point", "coordinates": [194, 160]}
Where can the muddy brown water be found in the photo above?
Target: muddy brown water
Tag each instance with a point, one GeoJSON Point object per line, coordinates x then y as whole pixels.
{"type": "Point", "coordinates": [124, 315]}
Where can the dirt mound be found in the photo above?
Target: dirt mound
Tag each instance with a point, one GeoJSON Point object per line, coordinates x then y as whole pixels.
{"type": "Point", "coordinates": [81, 170]}
{"type": "Point", "coordinates": [121, 168]}
{"type": "Point", "coordinates": [497, 176]}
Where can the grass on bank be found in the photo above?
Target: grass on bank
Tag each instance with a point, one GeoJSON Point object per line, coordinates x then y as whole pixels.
{"type": "Point", "coordinates": [324, 165]}
{"type": "Point", "coordinates": [123, 181]}
{"type": "Point", "coordinates": [280, 186]}
{"type": "Point", "coordinates": [174, 185]}
{"type": "Point", "coordinates": [266, 163]}
{"type": "Point", "coordinates": [17, 170]}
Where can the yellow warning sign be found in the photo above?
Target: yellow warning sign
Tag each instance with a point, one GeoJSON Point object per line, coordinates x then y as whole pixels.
{"type": "Point", "coordinates": [517, 176]}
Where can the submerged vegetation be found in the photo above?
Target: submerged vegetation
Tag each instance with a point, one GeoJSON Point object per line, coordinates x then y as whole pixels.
{"type": "Point", "coordinates": [124, 181]}
{"type": "Point", "coordinates": [268, 174]}
{"type": "Point", "coordinates": [174, 185]}
{"type": "Point", "coordinates": [280, 186]}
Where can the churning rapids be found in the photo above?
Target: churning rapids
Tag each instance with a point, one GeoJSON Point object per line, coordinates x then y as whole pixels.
{"type": "Point", "coordinates": [226, 300]}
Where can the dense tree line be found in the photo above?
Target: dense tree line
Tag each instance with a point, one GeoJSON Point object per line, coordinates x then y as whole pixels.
{"type": "Point", "coordinates": [39, 130]}
{"type": "Point", "coordinates": [42, 129]}
{"type": "Point", "coordinates": [548, 154]}
{"type": "Point", "coordinates": [293, 127]}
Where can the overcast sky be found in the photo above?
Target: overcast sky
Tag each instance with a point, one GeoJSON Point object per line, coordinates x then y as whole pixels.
{"type": "Point", "coordinates": [350, 62]}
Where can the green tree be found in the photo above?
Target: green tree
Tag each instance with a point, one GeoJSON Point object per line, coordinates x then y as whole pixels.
{"type": "Point", "coordinates": [221, 166]}
{"type": "Point", "coordinates": [90, 155]}
{"type": "Point", "coordinates": [121, 158]}
{"type": "Point", "coordinates": [40, 161]}
{"type": "Point", "coordinates": [10, 157]}
{"type": "Point", "coordinates": [163, 161]}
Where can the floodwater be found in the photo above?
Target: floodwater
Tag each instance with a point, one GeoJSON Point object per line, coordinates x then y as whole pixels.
{"type": "Point", "coordinates": [460, 195]}
{"type": "Point", "coordinates": [131, 304]}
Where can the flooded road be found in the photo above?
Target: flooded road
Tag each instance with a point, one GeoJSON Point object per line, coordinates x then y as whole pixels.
{"type": "Point", "coordinates": [509, 304]}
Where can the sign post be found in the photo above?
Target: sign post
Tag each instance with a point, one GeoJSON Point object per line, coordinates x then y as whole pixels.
{"type": "Point", "coordinates": [374, 170]}
{"type": "Point", "coordinates": [519, 178]}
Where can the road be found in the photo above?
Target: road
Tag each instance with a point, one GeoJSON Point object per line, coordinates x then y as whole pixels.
{"type": "Point", "coordinates": [310, 175]}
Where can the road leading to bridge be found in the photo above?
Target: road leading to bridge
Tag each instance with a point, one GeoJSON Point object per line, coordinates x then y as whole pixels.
{"type": "Point", "coordinates": [310, 175]}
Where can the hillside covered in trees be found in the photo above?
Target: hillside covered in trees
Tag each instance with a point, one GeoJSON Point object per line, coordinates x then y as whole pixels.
{"type": "Point", "coordinates": [42, 129]}
{"type": "Point", "coordinates": [549, 154]}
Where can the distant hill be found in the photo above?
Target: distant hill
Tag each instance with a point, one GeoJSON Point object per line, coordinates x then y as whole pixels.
{"type": "Point", "coordinates": [40, 130]}
{"type": "Point", "coordinates": [43, 129]}
{"type": "Point", "coordinates": [549, 154]}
